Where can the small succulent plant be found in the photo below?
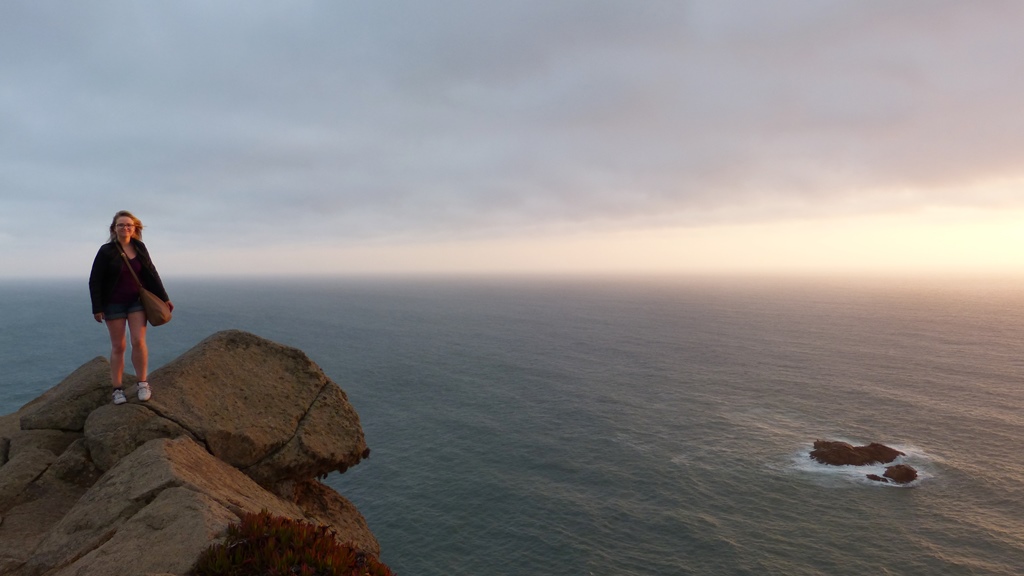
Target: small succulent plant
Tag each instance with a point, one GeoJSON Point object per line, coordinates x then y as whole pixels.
{"type": "Point", "coordinates": [266, 545]}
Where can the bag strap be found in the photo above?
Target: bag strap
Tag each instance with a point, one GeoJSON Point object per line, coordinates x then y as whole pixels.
{"type": "Point", "coordinates": [129, 264]}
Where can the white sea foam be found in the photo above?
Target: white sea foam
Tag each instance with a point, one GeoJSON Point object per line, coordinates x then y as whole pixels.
{"type": "Point", "coordinates": [915, 455]}
{"type": "Point", "coordinates": [681, 459]}
{"type": "Point", "coordinates": [632, 441]}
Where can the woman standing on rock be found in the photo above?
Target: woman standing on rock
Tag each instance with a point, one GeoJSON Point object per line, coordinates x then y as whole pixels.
{"type": "Point", "coordinates": [115, 298]}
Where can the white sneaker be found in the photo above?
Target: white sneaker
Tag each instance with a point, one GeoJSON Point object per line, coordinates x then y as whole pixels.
{"type": "Point", "coordinates": [119, 396]}
{"type": "Point", "coordinates": [144, 392]}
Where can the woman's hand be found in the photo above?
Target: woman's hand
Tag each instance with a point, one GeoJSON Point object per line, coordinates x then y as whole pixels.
{"type": "Point", "coordinates": [98, 316]}
{"type": "Point", "coordinates": [170, 306]}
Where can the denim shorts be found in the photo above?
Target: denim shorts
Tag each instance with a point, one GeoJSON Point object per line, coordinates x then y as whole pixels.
{"type": "Point", "coordinates": [118, 311]}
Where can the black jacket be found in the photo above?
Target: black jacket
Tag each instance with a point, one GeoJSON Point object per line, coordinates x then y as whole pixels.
{"type": "Point", "coordinates": [106, 268]}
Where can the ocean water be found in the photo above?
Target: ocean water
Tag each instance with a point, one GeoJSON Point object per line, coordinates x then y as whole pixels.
{"type": "Point", "coordinates": [614, 427]}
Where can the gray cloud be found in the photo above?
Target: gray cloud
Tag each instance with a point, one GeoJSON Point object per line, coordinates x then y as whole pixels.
{"type": "Point", "coordinates": [441, 119]}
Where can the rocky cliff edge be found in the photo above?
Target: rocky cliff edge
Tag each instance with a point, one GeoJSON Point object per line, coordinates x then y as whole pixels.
{"type": "Point", "coordinates": [237, 424]}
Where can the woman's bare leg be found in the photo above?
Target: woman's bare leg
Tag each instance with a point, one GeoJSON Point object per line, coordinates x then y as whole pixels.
{"type": "Point", "coordinates": [140, 353]}
{"type": "Point", "coordinates": [116, 328]}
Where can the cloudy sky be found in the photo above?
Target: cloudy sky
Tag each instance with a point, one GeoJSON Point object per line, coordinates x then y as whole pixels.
{"type": "Point", "coordinates": [418, 136]}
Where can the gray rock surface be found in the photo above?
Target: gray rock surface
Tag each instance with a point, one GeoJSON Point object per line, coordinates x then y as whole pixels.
{"type": "Point", "coordinates": [119, 503]}
{"type": "Point", "coordinates": [26, 523]}
{"type": "Point", "coordinates": [52, 441]}
{"type": "Point", "coordinates": [68, 404]}
{"type": "Point", "coordinates": [112, 432]}
{"type": "Point", "coordinates": [20, 472]}
{"type": "Point", "coordinates": [261, 407]}
{"type": "Point", "coordinates": [322, 505]}
{"type": "Point", "coordinates": [74, 466]}
{"type": "Point", "coordinates": [238, 424]}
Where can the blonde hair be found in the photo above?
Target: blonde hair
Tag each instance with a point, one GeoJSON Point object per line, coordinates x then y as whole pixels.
{"type": "Point", "coordinates": [137, 233]}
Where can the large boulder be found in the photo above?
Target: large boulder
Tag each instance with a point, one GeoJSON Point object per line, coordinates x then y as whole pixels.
{"type": "Point", "coordinates": [26, 524]}
{"type": "Point", "coordinates": [68, 404]}
{"type": "Point", "coordinates": [112, 432]}
{"type": "Point", "coordinates": [260, 406]}
{"type": "Point", "coordinates": [322, 505]}
{"type": "Point", "coordinates": [20, 472]}
{"type": "Point", "coordinates": [53, 441]}
{"type": "Point", "coordinates": [74, 467]}
{"type": "Point", "coordinates": [31, 502]}
{"type": "Point", "coordinates": [156, 511]}
{"type": "Point", "coordinates": [844, 454]}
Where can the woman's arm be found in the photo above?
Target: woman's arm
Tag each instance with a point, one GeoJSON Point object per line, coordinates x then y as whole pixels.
{"type": "Point", "coordinates": [97, 281]}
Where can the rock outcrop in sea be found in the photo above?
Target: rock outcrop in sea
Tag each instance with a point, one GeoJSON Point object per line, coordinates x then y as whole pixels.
{"type": "Point", "coordinates": [898, 474]}
{"type": "Point", "coordinates": [844, 454]}
{"type": "Point", "coordinates": [237, 424]}
{"type": "Point", "coordinates": [836, 453]}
